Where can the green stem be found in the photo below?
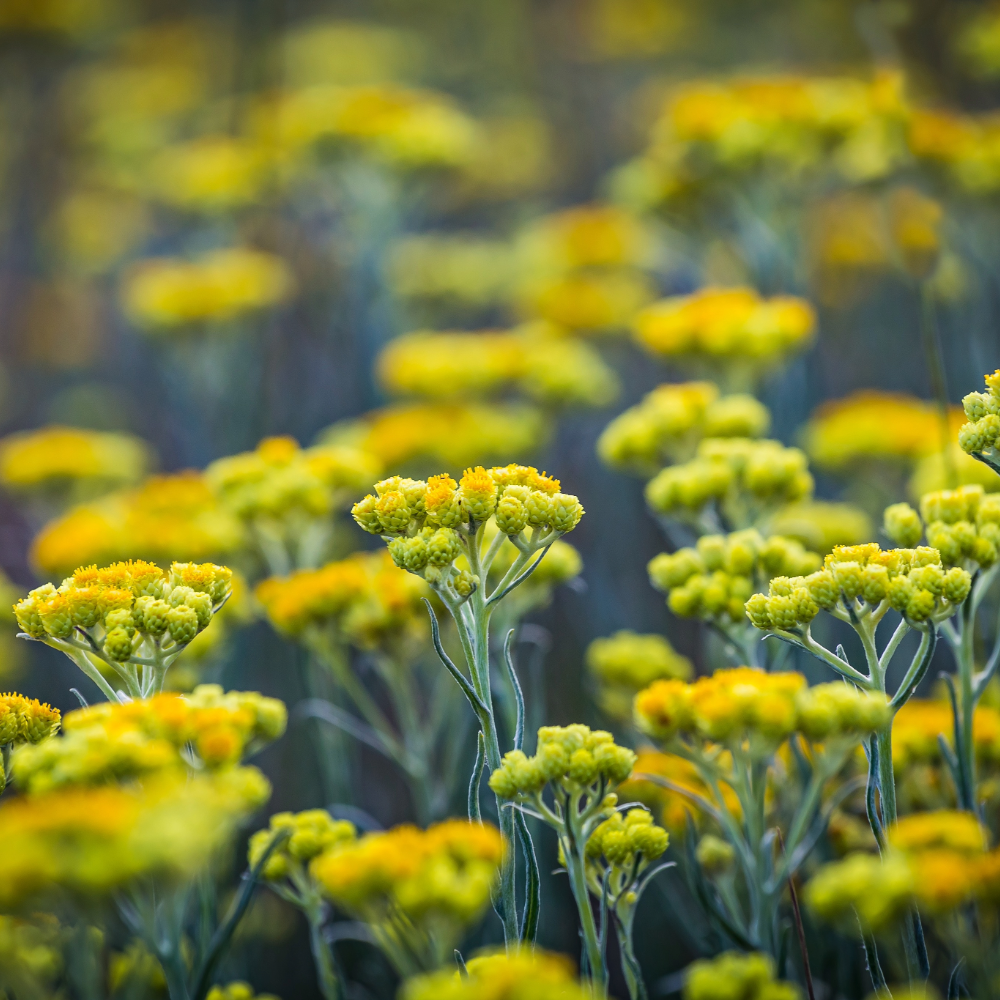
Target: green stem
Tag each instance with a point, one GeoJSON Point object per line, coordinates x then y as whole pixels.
{"type": "Point", "coordinates": [630, 965]}
{"type": "Point", "coordinates": [322, 955]}
{"type": "Point", "coordinates": [574, 847]}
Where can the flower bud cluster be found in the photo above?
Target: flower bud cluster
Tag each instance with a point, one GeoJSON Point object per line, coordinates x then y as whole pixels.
{"type": "Point", "coordinates": [518, 974]}
{"type": "Point", "coordinates": [737, 976]}
{"type": "Point", "coordinates": [624, 842]}
{"type": "Point", "coordinates": [626, 662]}
{"type": "Point", "coordinates": [980, 434]}
{"type": "Point", "coordinates": [443, 366]}
{"type": "Point", "coordinates": [279, 479]}
{"type": "Point", "coordinates": [365, 598]}
{"type": "Point", "coordinates": [725, 468]}
{"type": "Point", "coordinates": [311, 833]}
{"type": "Point", "coordinates": [727, 323]}
{"type": "Point", "coordinates": [733, 705]}
{"type": "Point", "coordinates": [571, 757]}
{"type": "Point", "coordinates": [26, 720]}
{"type": "Point", "coordinates": [912, 581]}
{"type": "Point", "coordinates": [714, 580]}
{"type": "Point", "coordinates": [962, 524]}
{"type": "Point", "coordinates": [670, 421]}
{"type": "Point", "coordinates": [442, 874]}
{"type": "Point", "coordinates": [109, 742]}
{"type": "Point", "coordinates": [122, 606]}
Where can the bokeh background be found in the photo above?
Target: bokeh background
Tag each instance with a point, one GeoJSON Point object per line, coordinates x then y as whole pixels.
{"type": "Point", "coordinates": [214, 217]}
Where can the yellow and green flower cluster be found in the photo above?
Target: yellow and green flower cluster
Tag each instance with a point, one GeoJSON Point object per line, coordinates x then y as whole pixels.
{"type": "Point", "coordinates": [716, 578]}
{"type": "Point", "coordinates": [625, 844]}
{"type": "Point", "coordinates": [23, 721]}
{"type": "Point", "coordinates": [309, 834]}
{"type": "Point", "coordinates": [912, 581]}
{"type": "Point", "coordinates": [737, 976]}
{"type": "Point", "coordinates": [979, 436]}
{"type": "Point", "coordinates": [732, 706]}
{"type": "Point", "coordinates": [670, 421]}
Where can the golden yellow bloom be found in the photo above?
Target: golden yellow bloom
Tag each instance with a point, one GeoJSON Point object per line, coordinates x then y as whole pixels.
{"type": "Point", "coordinates": [878, 891]}
{"type": "Point", "coordinates": [54, 456]}
{"type": "Point", "coordinates": [311, 833]}
{"type": "Point", "coordinates": [26, 720]}
{"type": "Point", "coordinates": [875, 425]}
{"type": "Point", "coordinates": [965, 146]}
{"type": "Point", "coordinates": [588, 302]}
{"type": "Point", "coordinates": [734, 974]}
{"type": "Point", "coordinates": [162, 294]}
{"type": "Point", "coordinates": [520, 974]}
{"type": "Point", "coordinates": [585, 236]}
{"type": "Point", "coordinates": [166, 518]}
{"type": "Point", "coordinates": [960, 832]}
{"type": "Point", "coordinates": [919, 722]}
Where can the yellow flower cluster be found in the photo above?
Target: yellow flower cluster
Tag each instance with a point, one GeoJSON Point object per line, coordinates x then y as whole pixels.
{"type": "Point", "coordinates": [108, 742]}
{"type": "Point", "coordinates": [874, 425]}
{"type": "Point", "coordinates": [737, 473]}
{"type": "Point", "coordinates": [625, 844]}
{"type": "Point", "coordinates": [726, 323]}
{"type": "Point", "coordinates": [920, 722]}
{"type": "Point", "coordinates": [279, 479]}
{"type": "Point", "coordinates": [96, 840]}
{"type": "Point", "coordinates": [911, 581]}
{"type": "Point", "coordinates": [55, 456]}
{"type": "Point", "coordinates": [310, 834]}
{"type": "Point", "coordinates": [715, 579]}
{"type": "Point", "coordinates": [671, 420]}
{"type": "Point", "coordinates": [525, 974]}
{"type": "Point", "coordinates": [979, 436]}
{"type": "Point", "coordinates": [163, 294]}
{"type": "Point", "coordinates": [439, 876]}
{"type": "Point", "coordinates": [167, 518]}
{"type": "Point", "coordinates": [950, 468]}
{"type": "Point", "coordinates": [237, 991]}
{"type": "Point", "coordinates": [737, 976]}
{"type": "Point", "coordinates": [25, 720]}
{"type": "Point", "coordinates": [213, 173]}
{"type": "Point", "coordinates": [732, 706]}
{"type": "Point", "coordinates": [365, 597]}
{"type": "Point", "coordinates": [963, 146]}
{"type": "Point", "coordinates": [821, 526]}
{"type": "Point", "coordinates": [963, 525]}
{"type": "Point", "coordinates": [574, 758]}
{"type": "Point", "coordinates": [553, 370]}
{"type": "Point", "coordinates": [589, 301]}
{"type": "Point", "coordinates": [626, 662]}
{"type": "Point", "coordinates": [588, 236]}
{"type": "Point", "coordinates": [453, 435]}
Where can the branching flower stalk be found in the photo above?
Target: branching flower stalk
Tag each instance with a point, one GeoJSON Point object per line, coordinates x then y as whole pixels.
{"type": "Point", "coordinates": [437, 529]}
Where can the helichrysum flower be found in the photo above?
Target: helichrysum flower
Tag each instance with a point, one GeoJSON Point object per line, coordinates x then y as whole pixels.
{"type": "Point", "coordinates": [979, 436]}
{"type": "Point", "coordinates": [58, 456]}
{"type": "Point", "coordinates": [727, 324]}
{"type": "Point", "coordinates": [626, 662]}
{"type": "Point", "coordinates": [821, 526]}
{"type": "Point", "coordinates": [919, 724]}
{"type": "Point", "coordinates": [213, 173]}
{"type": "Point", "coordinates": [593, 301]}
{"type": "Point", "coordinates": [26, 720]}
{"type": "Point", "coordinates": [737, 976]}
{"type": "Point", "coordinates": [237, 991]}
{"type": "Point", "coordinates": [878, 890]}
{"type": "Point", "coordinates": [311, 833]}
{"type": "Point", "coordinates": [732, 706]}
{"type": "Point", "coordinates": [962, 146]}
{"type": "Point", "coordinates": [163, 294]}
{"type": "Point", "coordinates": [714, 580]}
{"type": "Point", "coordinates": [167, 518]}
{"type": "Point", "coordinates": [671, 420]}
{"type": "Point", "coordinates": [912, 581]}
{"type": "Point", "coordinates": [526, 974]}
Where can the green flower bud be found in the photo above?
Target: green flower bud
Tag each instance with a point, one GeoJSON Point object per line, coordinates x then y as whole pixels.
{"type": "Point", "coordinates": [848, 577]}
{"type": "Point", "coordinates": [182, 623]}
{"type": "Point", "coordinates": [443, 547]}
{"type": "Point", "coordinates": [900, 592]}
{"type": "Point", "coordinates": [715, 855]}
{"type": "Point", "coordinates": [511, 516]}
{"type": "Point", "coordinates": [566, 512]}
{"type": "Point", "coordinates": [365, 513]}
{"type": "Point", "coordinates": [394, 513]}
{"type": "Point", "coordinates": [712, 549]}
{"type": "Point", "coordinates": [902, 524]}
{"type": "Point", "coordinates": [538, 507]}
{"type": "Point", "coordinates": [781, 611]}
{"type": "Point", "coordinates": [121, 618]}
{"type": "Point", "coordinates": [464, 583]}
{"type": "Point", "coordinates": [154, 617]}
{"type": "Point", "coordinates": [757, 611]}
{"type": "Point", "coordinates": [118, 644]}
{"type": "Point", "coordinates": [957, 584]}
{"type": "Point", "coordinates": [874, 583]}
{"type": "Point", "coordinates": [920, 605]}
{"type": "Point", "coordinates": [974, 405]}
{"type": "Point", "coordinates": [823, 587]}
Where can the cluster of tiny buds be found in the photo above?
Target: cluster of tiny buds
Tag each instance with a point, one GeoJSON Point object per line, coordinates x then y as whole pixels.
{"type": "Point", "coordinates": [306, 836]}
{"type": "Point", "coordinates": [962, 524]}
{"type": "Point", "coordinates": [715, 579]}
{"type": "Point", "coordinates": [913, 582]}
{"type": "Point", "coordinates": [620, 839]}
{"type": "Point", "coordinates": [572, 757]}
{"type": "Point", "coordinates": [980, 434]}
{"type": "Point", "coordinates": [25, 720]}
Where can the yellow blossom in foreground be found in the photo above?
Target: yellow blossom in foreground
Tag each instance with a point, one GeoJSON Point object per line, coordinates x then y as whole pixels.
{"type": "Point", "coordinates": [875, 425]}
{"type": "Point", "coordinates": [166, 293]}
{"type": "Point", "coordinates": [56, 455]}
{"type": "Point", "coordinates": [97, 840]}
{"type": "Point", "coordinates": [167, 518]}
{"type": "Point", "coordinates": [737, 975]}
{"type": "Point", "coordinates": [497, 975]}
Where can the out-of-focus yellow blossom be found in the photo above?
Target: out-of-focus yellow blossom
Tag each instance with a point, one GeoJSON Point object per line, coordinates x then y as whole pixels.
{"type": "Point", "coordinates": [513, 157]}
{"type": "Point", "coordinates": [920, 722]}
{"type": "Point", "coordinates": [406, 127]}
{"type": "Point", "coordinates": [626, 662]}
{"type": "Point", "coordinates": [60, 457]}
{"type": "Point", "coordinates": [746, 479]}
{"type": "Point", "coordinates": [978, 437]}
{"type": "Point", "coordinates": [109, 743]}
{"type": "Point", "coordinates": [167, 518]}
{"type": "Point", "coordinates": [915, 226]}
{"type": "Point", "coordinates": [966, 147]}
{"type": "Point", "coordinates": [733, 706]}
{"type": "Point", "coordinates": [671, 420]}
{"type": "Point", "coordinates": [237, 991]}
{"type": "Point", "coordinates": [94, 228]}
{"type": "Point", "coordinates": [737, 976]}
{"type": "Point", "coordinates": [23, 721]}
{"type": "Point", "coordinates": [452, 435]}
{"type": "Point", "coordinates": [820, 526]}
{"type": "Point", "coordinates": [419, 890]}
{"type": "Point", "coordinates": [911, 581]}
{"type": "Point", "coordinates": [211, 174]}
{"type": "Point", "coordinates": [97, 840]}
{"type": "Point", "coordinates": [463, 267]}
{"type": "Point", "coordinates": [938, 471]}
{"type": "Point", "coordinates": [714, 580]}
{"type": "Point", "coordinates": [310, 834]}
{"type": "Point", "coordinates": [875, 425]}
{"type": "Point", "coordinates": [519, 974]}
{"type": "Point", "coordinates": [586, 301]}
{"type": "Point", "coordinates": [726, 324]}
{"type": "Point", "coordinates": [630, 29]}
{"type": "Point", "coordinates": [30, 955]}
{"type": "Point", "coordinates": [978, 42]}
{"type": "Point", "coordinates": [364, 597]}
{"type": "Point", "coordinates": [954, 831]}
{"type": "Point", "coordinates": [134, 967]}
{"type": "Point", "coordinates": [134, 617]}
{"type": "Point", "coordinates": [162, 294]}
{"type": "Point", "coordinates": [449, 365]}
{"type": "Point", "coordinates": [878, 890]}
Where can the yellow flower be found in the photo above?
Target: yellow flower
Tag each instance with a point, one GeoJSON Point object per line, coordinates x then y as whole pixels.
{"type": "Point", "coordinates": [959, 832]}
{"type": "Point", "coordinates": [736, 975]}
{"type": "Point", "coordinates": [462, 267]}
{"type": "Point", "coordinates": [878, 891]}
{"type": "Point", "coordinates": [311, 833]}
{"type": "Point", "coordinates": [162, 294]}
{"type": "Point", "coordinates": [586, 301]}
{"type": "Point", "coordinates": [237, 991]}
{"type": "Point", "coordinates": [588, 236]}
{"type": "Point", "coordinates": [820, 525]}
{"type": "Point", "coordinates": [920, 722]}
